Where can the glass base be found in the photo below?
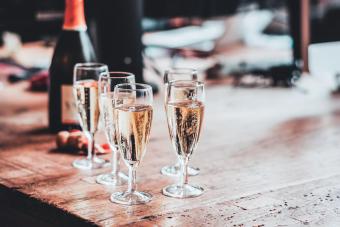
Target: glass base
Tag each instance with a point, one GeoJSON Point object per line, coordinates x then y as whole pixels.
{"type": "Point", "coordinates": [187, 191]}
{"type": "Point", "coordinates": [112, 179]}
{"type": "Point", "coordinates": [131, 198]}
{"type": "Point", "coordinates": [87, 164]}
{"type": "Point", "coordinates": [175, 171]}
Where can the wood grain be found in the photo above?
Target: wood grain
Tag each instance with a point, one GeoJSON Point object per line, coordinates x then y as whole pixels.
{"type": "Point", "coordinates": [268, 157]}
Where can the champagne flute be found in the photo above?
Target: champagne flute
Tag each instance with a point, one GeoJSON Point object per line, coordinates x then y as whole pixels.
{"type": "Point", "coordinates": [173, 75]}
{"type": "Point", "coordinates": [184, 109]}
{"type": "Point", "coordinates": [133, 118]}
{"type": "Point", "coordinates": [107, 82]}
{"type": "Point", "coordinates": [85, 89]}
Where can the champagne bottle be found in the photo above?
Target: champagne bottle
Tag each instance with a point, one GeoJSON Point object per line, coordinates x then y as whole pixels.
{"type": "Point", "coordinates": [73, 46]}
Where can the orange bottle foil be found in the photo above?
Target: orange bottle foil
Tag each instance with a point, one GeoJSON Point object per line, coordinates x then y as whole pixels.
{"type": "Point", "coordinates": [74, 18]}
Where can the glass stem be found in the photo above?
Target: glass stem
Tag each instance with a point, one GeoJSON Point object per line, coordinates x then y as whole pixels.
{"type": "Point", "coordinates": [115, 161]}
{"type": "Point", "coordinates": [184, 168]}
{"type": "Point", "coordinates": [132, 180]}
{"type": "Point", "coordinates": [90, 147]}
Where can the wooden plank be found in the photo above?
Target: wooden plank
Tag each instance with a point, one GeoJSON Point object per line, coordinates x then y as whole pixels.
{"type": "Point", "coordinates": [260, 153]}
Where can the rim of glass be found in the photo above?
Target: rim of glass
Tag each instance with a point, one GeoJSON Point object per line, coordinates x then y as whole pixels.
{"type": "Point", "coordinates": [181, 71]}
{"type": "Point", "coordinates": [121, 73]}
{"type": "Point", "coordinates": [138, 87]}
{"type": "Point", "coordinates": [90, 66]}
{"type": "Point", "coordinates": [193, 83]}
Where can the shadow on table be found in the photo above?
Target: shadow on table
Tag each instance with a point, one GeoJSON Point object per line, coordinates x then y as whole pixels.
{"type": "Point", "coordinates": [72, 152]}
{"type": "Point", "coordinates": [38, 131]}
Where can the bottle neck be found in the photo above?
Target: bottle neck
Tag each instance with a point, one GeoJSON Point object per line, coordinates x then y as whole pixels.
{"type": "Point", "coordinates": [74, 18]}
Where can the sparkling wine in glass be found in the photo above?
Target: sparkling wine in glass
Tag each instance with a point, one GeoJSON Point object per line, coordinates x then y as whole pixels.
{"type": "Point", "coordinates": [133, 117]}
{"type": "Point", "coordinates": [174, 75]}
{"type": "Point", "coordinates": [185, 111]}
{"type": "Point", "coordinates": [107, 82]}
{"type": "Point", "coordinates": [85, 89]}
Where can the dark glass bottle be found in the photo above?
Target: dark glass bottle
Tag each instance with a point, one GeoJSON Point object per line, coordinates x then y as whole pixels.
{"type": "Point", "coordinates": [73, 46]}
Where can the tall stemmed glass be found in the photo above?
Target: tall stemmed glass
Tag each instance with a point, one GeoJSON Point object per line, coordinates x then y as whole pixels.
{"type": "Point", "coordinates": [184, 110]}
{"type": "Point", "coordinates": [85, 89]}
{"type": "Point", "coordinates": [133, 118]}
{"type": "Point", "coordinates": [173, 75]}
{"type": "Point", "coordinates": [107, 82]}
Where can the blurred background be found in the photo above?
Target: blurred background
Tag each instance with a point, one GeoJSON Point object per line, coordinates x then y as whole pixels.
{"type": "Point", "coordinates": [247, 42]}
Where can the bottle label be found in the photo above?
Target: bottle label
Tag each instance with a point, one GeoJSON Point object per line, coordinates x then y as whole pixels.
{"type": "Point", "coordinates": [68, 105]}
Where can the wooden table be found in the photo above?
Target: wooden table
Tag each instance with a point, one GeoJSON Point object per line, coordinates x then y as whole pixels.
{"type": "Point", "coordinates": [268, 157]}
